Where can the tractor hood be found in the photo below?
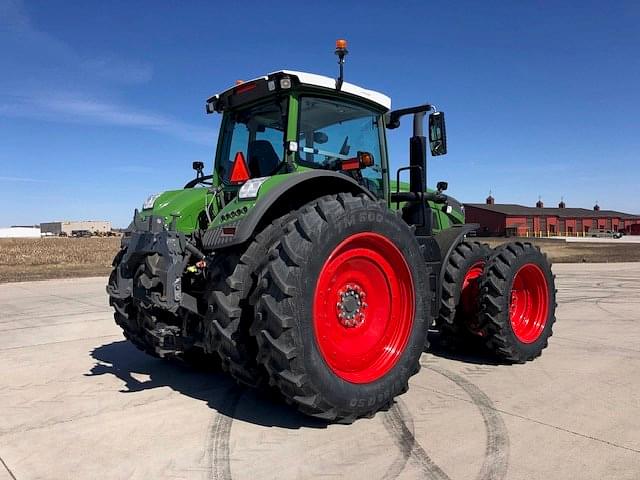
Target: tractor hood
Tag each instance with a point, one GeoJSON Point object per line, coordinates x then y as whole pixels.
{"type": "Point", "coordinates": [457, 210]}
{"type": "Point", "coordinates": [448, 214]}
{"type": "Point", "coordinates": [184, 205]}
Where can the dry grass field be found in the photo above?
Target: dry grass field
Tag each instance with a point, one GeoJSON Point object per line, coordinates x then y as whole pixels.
{"type": "Point", "coordinates": [561, 252]}
{"type": "Point", "coordinates": [24, 259]}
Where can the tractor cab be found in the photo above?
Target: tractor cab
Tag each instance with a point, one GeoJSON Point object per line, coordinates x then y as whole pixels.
{"type": "Point", "coordinates": [294, 121]}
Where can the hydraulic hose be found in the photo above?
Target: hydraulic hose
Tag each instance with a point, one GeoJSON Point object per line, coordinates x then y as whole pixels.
{"type": "Point", "coordinates": [192, 249]}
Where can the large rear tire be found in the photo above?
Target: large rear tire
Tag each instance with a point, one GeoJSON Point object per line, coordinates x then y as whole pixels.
{"type": "Point", "coordinates": [344, 313]}
{"type": "Point", "coordinates": [518, 302]}
{"type": "Point", "coordinates": [460, 300]}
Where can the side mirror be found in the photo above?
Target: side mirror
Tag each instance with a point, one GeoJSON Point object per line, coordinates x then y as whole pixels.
{"type": "Point", "coordinates": [437, 134]}
{"type": "Point", "coordinates": [198, 167]}
{"type": "Point", "coordinates": [442, 186]}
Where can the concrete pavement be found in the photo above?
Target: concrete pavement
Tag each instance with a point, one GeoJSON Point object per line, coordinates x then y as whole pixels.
{"type": "Point", "coordinates": [78, 401]}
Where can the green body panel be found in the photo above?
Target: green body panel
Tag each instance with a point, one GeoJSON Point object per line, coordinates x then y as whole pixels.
{"type": "Point", "coordinates": [443, 219]}
{"type": "Point", "coordinates": [185, 205]}
{"type": "Point", "coordinates": [188, 205]}
{"type": "Point", "coordinates": [446, 220]}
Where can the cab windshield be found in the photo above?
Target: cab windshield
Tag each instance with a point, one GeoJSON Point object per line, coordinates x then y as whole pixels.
{"type": "Point", "coordinates": [258, 134]}
{"type": "Point", "coordinates": [333, 130]}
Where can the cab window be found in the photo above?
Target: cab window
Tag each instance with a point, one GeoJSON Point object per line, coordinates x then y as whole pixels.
{"type": "Point", "coordinates": [258, 134]}
{"type": "Point", "coordinates": [331, 131]}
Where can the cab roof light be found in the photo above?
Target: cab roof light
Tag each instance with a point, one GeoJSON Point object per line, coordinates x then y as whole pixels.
{"type": "Point", "coordinates": [285, 82]}
{"type": "Point", "coordinates": [239, 170]}
{"type": "Point", "coordinates": [341, 52]}
{"type": "Point", "coordinates": [245, 87]}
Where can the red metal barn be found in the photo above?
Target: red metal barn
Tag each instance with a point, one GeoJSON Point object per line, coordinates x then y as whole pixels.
{"type": "Point", "coordinates": [519, 220]}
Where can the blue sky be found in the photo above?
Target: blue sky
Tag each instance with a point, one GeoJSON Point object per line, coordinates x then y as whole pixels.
{"type": "Point", "coordinates": [102, 103]}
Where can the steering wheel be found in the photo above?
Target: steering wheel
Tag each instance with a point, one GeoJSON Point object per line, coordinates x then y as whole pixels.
{"type": "Point", "coordinates": [205, 181]}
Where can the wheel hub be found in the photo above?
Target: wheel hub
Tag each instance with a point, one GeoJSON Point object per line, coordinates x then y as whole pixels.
{"type": "Point", "coordinates": [350, 306]}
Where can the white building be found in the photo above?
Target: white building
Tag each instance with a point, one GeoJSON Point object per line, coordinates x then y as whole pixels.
{"type": "Point", "coordinates": [56, 228]}
{"type": "Point", "coordinates": [20, 232]}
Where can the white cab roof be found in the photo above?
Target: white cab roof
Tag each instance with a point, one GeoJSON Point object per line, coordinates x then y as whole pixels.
{"type": "Point", "coordinates": [327, 82]}
{"type": "Point", "coordinates": [330, 83]}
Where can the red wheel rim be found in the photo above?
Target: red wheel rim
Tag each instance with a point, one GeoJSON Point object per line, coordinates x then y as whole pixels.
{"type": "Point", "coordinates": [529, 305]}
{"type": "Point", "coordinates": [470, 290]}
{"type": "Point", "coordinates": [363, 307]}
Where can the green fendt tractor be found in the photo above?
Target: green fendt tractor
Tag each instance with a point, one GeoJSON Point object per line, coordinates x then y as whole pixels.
{"type": "Point", "coordinates": [302, 264]}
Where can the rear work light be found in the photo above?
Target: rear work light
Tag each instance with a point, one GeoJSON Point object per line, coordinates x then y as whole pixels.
{"type": "Point", "coordinates": [251, 187]}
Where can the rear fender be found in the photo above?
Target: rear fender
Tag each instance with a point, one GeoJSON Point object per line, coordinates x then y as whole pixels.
{"type": "Point", "coordinates": [290, 194]}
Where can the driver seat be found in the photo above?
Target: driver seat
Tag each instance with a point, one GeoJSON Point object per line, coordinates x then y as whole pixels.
{"type": "Point", "coordinates": [263, 159]}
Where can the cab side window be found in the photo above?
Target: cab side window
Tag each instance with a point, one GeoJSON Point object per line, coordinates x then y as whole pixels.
{"type": "Point", "coordinates": [332, 131]}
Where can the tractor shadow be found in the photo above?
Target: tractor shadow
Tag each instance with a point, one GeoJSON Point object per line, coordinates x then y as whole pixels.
{"type": "Point", "coordinates": [122, 360]}
{"type": "Point", "coordinates": [467, 352]}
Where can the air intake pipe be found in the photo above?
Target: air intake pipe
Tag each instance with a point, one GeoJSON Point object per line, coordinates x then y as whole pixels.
{"type": "Point", "coordinates": [418, 155]}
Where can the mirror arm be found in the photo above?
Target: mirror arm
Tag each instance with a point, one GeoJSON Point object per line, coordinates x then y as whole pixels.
{"type": "Point", "coordinates": [393, 117]}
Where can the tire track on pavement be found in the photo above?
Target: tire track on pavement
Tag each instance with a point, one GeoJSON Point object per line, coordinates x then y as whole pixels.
{"type": "Point", "coordinates": [219, 466]}
{"type": "Point", "coordinates": [399, 423]}
{"type": "Point", "coordinates": [6, 467]}
{"type": "Point", "coordinates": [496, 460]}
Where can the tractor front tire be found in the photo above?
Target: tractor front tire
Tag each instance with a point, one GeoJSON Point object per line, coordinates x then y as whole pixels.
{"type": "Point", "coordinates": [231, 306]}
{"type": "Point", "coordinates": [344, 313]}
{"type": "Point", "coordinates": [460, 302]}
{"type": "Point", "coordinates": [127, 315]}
{"type": "Point", "coordinates": [518, 302]}
{"type": "Point", "coordinates": [135, 320]}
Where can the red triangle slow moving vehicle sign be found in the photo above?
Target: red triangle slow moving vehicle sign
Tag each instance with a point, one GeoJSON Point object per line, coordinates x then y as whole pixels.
{"type": "Point", "coordinates": [239, 170]}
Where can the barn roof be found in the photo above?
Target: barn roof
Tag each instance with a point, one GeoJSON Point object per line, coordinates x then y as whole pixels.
{"type": "Point", "coordinates": [523, 211]}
